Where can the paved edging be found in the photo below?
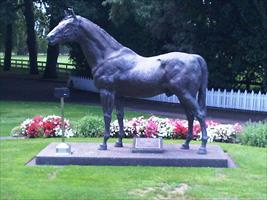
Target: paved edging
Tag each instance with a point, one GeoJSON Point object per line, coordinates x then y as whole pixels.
{"type": "Point", "coordinates": [11, 138]}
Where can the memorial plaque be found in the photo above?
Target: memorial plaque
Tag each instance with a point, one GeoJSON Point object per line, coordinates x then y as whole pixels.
{"type": "Point", "coordinates": [147, 145]}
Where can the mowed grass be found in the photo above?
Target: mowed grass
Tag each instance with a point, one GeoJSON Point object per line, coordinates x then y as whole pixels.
{"type": "Point", "coordinates": [12, 113]}
{"type": "Point", "coordinates": [62, 59]}
{"type": "Point", "coordinates": [42, 57]}
{"type": "Point", "coordinates": [132, 182]}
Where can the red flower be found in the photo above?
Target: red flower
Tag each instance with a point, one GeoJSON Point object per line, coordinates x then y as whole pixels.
{"type": "Point", "coordinates": [48, 128]}
{"type": "Point", "coordinates": [34, 130]}
{"type": "Point", "coordinates": [151, 129]}
{"type": "Point", "coordinates": [180, 129]}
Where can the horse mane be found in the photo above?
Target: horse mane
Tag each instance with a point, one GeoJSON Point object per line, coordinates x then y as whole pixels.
{"type": "Point", "coordinates": [85, 23]}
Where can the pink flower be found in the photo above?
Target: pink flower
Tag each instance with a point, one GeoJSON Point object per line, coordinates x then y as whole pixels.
{"type": "Point", "coordinates": [196, 129]}
{"type": "Point", "coordinates": [151, 129]}
{"type": "Point", "coordinates": [238, 127]}
{"type": "Point", "coordinates": [211, 123]}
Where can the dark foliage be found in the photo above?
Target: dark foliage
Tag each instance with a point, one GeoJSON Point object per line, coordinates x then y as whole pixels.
{"type": "Point", "coordinates": [31, 37]}
{"type": "Point", "coordinates": [230, 35]}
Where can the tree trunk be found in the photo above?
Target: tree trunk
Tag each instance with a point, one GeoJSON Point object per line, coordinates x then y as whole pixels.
{"type": "Point", "coordinates": [31, 37]}
{"type": "Point", "coordinates": [51, 62]}
{"type": "Point", "coordinates": [8, 47]}
{"type": "Point", "coordinates": [52, 54]}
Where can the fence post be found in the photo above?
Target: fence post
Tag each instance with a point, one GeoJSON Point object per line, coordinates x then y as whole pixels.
{"type": "Point", "coordinates": [251, 100]}
{"type": "Point", "coordinates": [231, 105]}
{"type": "Point", "coordinates": [256, 102]}
{"type": "Point", "coordinates": [212, 97]}
{"type": "Point", "coordinates": [244, 99]}
{"type": "Point", "coordinates": [224, 99]}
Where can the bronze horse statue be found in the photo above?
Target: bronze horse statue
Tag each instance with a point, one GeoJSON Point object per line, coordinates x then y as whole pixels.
{"type": "Point", "coordinates": [118, 71]}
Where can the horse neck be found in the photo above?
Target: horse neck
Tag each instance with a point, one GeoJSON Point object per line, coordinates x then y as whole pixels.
{"type": "Point", "coordinates": [96, 44]}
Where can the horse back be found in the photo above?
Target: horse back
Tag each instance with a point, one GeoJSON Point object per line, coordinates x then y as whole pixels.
{"type": "Point", "coordinates": [149, 76]}
{"type": "Point", "coordinates": [183, 71]}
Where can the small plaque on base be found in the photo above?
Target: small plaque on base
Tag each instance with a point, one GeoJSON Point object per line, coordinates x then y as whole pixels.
{"type": "Point", "coordinates": [63, 149]}
{"type": "Point", "coordinates": [147, 145]}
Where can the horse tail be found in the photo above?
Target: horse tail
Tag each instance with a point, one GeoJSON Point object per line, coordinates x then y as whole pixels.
{"type": "Point", "coordinates": [203, 86]}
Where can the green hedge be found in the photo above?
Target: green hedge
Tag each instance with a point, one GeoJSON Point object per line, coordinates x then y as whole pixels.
{"type": "Point", "coordinates": [89, 126]}
{"type": "Point", "coordinates": [16, 132]}
{"type": "Point", "coordinates": [254, 134]}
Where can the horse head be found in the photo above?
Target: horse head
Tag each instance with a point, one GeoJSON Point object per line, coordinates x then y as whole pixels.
{"type": "Point", "coordinates": [66, 30]}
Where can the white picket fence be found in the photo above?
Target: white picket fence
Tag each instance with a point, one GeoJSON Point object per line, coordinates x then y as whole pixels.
{"type": "Point", "coordinates": [215, 98]}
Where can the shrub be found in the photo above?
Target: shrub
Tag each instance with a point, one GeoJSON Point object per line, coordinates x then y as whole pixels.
{"type": "Point", "coordinates": [254, 134]}
{"type": "Point", "coordinates": [16, 132]}
{"type": "Point", "coordinates": [89, 126]}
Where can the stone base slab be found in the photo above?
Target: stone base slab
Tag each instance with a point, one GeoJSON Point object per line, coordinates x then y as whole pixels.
{"type": "Point", "coordinates": [84, 153]}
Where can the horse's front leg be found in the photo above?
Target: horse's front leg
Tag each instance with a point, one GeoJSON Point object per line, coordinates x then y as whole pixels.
{"type": "Point", "coordinates": [120, 115]}
{"type": "Point", "coordinates": [107, 101]}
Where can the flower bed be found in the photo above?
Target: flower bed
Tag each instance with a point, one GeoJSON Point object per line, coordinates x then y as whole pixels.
{"type": "Point", "coordinates": [175, 129]}
{"type": "Point", "coordinates": [152, 127]}
{"type": "Point", "coordinates": [49, 126]}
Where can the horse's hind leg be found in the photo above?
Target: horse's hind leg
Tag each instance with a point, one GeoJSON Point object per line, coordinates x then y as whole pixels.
{"type": "Point", "coordinates": [190, 104]}
{"type": "Point", "coordinates": [120, 115]}
{"type": "Point", "coordinates": [189, 137]}
{"type": "Point", "coordinates": [107, 101]}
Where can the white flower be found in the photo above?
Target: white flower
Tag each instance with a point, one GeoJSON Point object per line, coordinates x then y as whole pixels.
{"type": "Point", "coordinates": [68, 132]}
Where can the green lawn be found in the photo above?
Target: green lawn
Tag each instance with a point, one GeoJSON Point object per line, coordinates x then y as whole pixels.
{"type": "Point", "coordinates": [64, 59]}
{"type": "Point", "coordinates": [18, 181]}
{"type": "Point", "coordinates": [105, 182]}
{"type": "Point", "coordinates": [41, 57]}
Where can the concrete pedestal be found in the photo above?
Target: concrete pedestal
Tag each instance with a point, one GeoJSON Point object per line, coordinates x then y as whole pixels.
{"type": "Point", "coordinates": [87, 154]}
{"type": "Point", "coordinates": [63, 149]}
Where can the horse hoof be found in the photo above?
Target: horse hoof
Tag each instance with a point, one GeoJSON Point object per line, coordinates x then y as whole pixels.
{"type": "Point", "coordinates": [185, 146]}
{"type": "Point", "coordinates": [202, 151]}
{"type": "Point", "coordinates": [118, 144]}
{"type": "Point", "coordinates": [102, 147]}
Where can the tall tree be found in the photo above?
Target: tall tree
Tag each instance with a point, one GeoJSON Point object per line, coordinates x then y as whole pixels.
{"type": "Point", "coordinates": [20, 48]}
{"type": "Point", "coordinates": [51, 55]}
{"type": "Point", "coordinates": [55, 11]}
{"type": "Point", "coordinates": [261, 7]}
{"type": "Point", "coordinates": [8, 46]}
{"type": "Point", "coordinates": [8, 15]}
{"type": "Point", "coordinates": [31, 37]}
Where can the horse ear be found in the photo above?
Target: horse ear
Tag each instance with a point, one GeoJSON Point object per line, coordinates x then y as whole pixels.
{"type": "Point", "coordinates": [72, 13]}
